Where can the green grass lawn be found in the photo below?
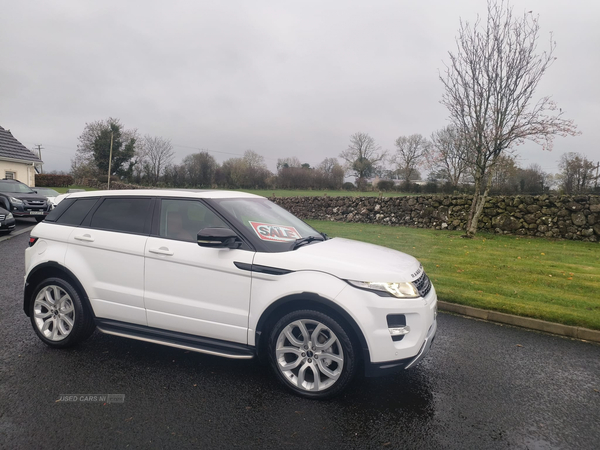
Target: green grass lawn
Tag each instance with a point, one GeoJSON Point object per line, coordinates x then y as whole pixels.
{"type": "Point", "coordinates": [557, 281]}
{"type": "Point", "coordinates": [63, 190]}
{"type": "Point", "coordinates": [307, 193]}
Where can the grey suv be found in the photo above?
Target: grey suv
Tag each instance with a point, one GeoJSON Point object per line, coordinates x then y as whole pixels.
{"type": "Point", "coordinates": [22, 201]}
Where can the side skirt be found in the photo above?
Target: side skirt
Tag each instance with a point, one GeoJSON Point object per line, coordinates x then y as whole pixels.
{"type": "Point", "coordinates": [175, 339]}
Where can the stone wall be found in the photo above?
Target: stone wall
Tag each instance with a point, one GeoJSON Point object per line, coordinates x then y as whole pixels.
{"type": "Point", "coordinates": [568, 217]}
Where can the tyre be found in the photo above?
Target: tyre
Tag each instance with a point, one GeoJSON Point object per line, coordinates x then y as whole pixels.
{"type": "Point", "coordinates": [311, 354]}
{"type": "Point", "coordinates": [58, 315]}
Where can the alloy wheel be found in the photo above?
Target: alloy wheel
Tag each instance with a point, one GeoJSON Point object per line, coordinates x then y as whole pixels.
{"type": "Point", "coordinates": [309, 355]}
{"type": "Point", "coordinates": [54, 313]}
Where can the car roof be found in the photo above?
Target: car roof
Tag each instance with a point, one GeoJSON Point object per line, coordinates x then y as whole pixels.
{"type": "Point", "coordinates": [188, 193]}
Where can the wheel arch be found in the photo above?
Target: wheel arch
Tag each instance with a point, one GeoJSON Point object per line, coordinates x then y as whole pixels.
{"type": "Point", "coordinates": [47, 270]}
{"type": "Point", "coordinates": [308, 300]}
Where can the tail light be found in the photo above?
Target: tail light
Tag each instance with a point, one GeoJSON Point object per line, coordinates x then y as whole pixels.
{"type": "Point", "coordinates": [32, 241]}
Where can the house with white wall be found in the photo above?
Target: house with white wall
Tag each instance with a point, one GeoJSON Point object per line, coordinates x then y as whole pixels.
{"type": "Point", "coordinates": [17, 162]}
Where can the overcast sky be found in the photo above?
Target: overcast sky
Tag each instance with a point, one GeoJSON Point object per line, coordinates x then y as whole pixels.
{"type": "Point", "coordinates": [283, 78]}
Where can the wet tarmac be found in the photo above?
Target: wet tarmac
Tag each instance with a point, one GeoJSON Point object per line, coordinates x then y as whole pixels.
{"type": "Point", "coordinates": [483, 385]}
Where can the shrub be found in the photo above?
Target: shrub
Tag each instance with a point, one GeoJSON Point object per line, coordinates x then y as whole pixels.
{"type": "Point", "coordinates": [52, 180]}
{"type": "Point", "coordinates": [385, 185]}
{"type": "Point", "coordinates": [347, 186]}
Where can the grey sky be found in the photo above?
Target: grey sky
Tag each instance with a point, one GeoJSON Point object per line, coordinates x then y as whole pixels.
{"type": "Point", "coordinates": [284, 78]}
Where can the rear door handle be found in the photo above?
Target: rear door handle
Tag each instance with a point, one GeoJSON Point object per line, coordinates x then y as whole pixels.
{"type": "Point", "coordinates": [161, 251]}
{"type": "Point", "coordinates": [84, 237]}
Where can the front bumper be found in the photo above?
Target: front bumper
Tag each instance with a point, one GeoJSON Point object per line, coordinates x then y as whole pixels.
{"type": "Point", "coordinates": [30, 211]}
{"type": "Point", "coordinates": [391, 367]}
{"type": "Point", "coordinates": [8, 224]}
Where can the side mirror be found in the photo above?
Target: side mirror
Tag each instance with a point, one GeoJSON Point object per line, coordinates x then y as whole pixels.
{"type": "Point", "coordinates": [218, 238]}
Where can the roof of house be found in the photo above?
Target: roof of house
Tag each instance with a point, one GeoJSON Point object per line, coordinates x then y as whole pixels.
{"type": "Point", "coordinates": [13, 149]}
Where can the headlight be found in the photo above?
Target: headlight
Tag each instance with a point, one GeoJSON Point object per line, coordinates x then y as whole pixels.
{"type": "Point", "coordinates": [9, 216]}
{"type": "Point", "coordinates": [15, 201]}
{"type": "Point", "coordinates": [400, 290]}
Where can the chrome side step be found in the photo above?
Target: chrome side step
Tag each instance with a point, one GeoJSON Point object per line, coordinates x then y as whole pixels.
{"type": "Point", "coordinates": [174, 339]}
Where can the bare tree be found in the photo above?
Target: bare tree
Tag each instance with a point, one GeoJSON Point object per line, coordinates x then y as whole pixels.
{"type": "Point", "coordinates": [361, 155]}
{"type": "Point", "coordinates": [448, 154]}
{"type": "Point", "coordinates": [489, 91]}
{"type": "Point", "coordinates": [157, 154]}
{"type": "Point", "coordinates": [200, 169]}
{"type": "Point", "coordinates": [410, 154]}
{"type": "Point", "coordinates": [288, 162]}
{"type": "Point", "coordinates": [577, 173]}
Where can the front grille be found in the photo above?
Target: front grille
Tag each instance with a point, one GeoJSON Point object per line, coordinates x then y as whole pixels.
{"type": "Point", "coordinates": [423, 284]}
{"type": "Point", "coordinates": [2, 217]}
{"type": "Point", "coordinates": [34, 202]}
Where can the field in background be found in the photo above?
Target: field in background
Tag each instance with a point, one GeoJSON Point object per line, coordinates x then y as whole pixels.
{"type": "Point", "coordinates": [63, 190]}
{"type": "Point", "coordinates": [285, 193]}
{"type": "Point", "coordinates": [557, 281]}
{"type": "Point", "coordinates": [307, 193]}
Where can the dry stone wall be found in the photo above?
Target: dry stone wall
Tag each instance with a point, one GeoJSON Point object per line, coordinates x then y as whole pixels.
{"type": "Point", "coordinates": [566, 217]}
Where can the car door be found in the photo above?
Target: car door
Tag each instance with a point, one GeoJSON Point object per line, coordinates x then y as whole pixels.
{"type": "Point", "coordinates": [192, 289]}
{"type": "Point", "coordinates": [107, 254]}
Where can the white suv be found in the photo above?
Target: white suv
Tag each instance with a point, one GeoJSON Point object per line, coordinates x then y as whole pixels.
{"type": "Point", "coordinates": [228, 274]}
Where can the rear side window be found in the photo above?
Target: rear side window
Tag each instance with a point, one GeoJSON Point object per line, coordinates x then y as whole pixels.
{"type": "Point", "coordinates": [128, 215]}
{"type": "Point", "coordinates": [59, 210]}
{"type": "Point", "coordinates": [75, 214]}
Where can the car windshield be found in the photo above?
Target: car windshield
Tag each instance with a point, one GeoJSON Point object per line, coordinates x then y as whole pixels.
{"type": "Point", "coordinates": [15, 188]}
{"type": "Point", "coordinates": [47, 192]}
{"type": "Point", "coordinates": [278, 229]}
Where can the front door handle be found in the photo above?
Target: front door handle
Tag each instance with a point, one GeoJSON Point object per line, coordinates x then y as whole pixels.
{"type": "Point", "coordinates": [161, 251]}
{"type": "Point", "coordinates": [84, 237]}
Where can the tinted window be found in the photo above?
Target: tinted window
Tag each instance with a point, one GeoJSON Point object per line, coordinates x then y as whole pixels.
{"type": "Point", "coordinates": [182, 219]}
{"type": "Point", "coordinates": [128, 215]}
{"type": "Point", "coordinates": [59, 210]}
{"type": "Point", "coordinates": [77, 212]}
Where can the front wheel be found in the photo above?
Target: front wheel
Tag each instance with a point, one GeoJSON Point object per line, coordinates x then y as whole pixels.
{"type": "Point", "coordinates": [58, 315]}
{"type": "Point", "coordinates": [311, 354]}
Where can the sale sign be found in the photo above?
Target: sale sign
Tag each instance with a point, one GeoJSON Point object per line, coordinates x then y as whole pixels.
{"type": "Point", "coordinates": [275, 233]}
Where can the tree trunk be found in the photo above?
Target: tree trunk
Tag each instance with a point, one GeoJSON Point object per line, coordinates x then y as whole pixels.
{"type": "Point", "coordinates": [481, 198]}
{"type": "Point", "coordinates": [476, 194]}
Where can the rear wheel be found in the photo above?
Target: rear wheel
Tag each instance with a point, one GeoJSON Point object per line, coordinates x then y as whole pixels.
{"type": "Point", "coordinates": [58, 315]}
{"type": "Point", "coordinates": [312, 354]}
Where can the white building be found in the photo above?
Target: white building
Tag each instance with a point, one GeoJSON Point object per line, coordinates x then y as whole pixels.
{"type": "Point", "coordinates": [17, 162]}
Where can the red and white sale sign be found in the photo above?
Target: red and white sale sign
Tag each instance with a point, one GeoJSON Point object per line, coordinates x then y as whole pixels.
{"type": "Point", "coordinates": [275, 233]}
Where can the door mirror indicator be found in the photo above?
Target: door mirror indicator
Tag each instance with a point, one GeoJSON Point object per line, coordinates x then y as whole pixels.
{"type": "Point", "coordinates": [218, 238]}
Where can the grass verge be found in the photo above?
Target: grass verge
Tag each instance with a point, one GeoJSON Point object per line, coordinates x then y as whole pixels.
{"type": "Point", "coordinates": [63, 190]}
{"type": "Point", "coordinates": [307, 193]}
{"type": "Point", "coordinates": [557, 281]}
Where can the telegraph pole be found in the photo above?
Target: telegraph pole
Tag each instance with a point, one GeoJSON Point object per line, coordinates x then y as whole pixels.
{"type": "Point", "coordinates": [39, 149]}
{"type": "Point", "coordinates": [110, 158]}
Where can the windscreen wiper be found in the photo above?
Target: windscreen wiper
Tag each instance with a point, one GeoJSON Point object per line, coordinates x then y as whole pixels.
{"type": "Point", "coordinates": [307, 240]}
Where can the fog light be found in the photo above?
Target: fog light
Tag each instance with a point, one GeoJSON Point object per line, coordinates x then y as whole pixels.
{"type": "Point", "coordinates": [399, 331]}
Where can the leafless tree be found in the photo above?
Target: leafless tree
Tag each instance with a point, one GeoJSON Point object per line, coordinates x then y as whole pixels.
{"type": "Point", "coordinates": [200, 169]}
{"type": "Point", "coordinates": [490, 83]}
{"type": "Point", "coordinates": [578, 174]}
{"type": "Point", "coordinates": [288, 162]}
{"type": "Point", "coordinates": [361, 156]}
{"type": "Point", "coordinates": [157, 154]}
{"type": "Point", "coordinates": [410, 154]}
{"type": "Point", "coordinates": [448, 154]}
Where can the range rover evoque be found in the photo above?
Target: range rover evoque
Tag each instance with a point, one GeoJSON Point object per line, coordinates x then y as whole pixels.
{"type": "Point", "coordinates": [228, 274]}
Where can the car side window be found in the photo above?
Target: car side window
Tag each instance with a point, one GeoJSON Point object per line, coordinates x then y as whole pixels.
{"type": "Point", "coordinates": [128, 215]}
{"type": "Point", "coordinates": [75, 213]}
{"type": "Point", "coordinates": [182, 219]}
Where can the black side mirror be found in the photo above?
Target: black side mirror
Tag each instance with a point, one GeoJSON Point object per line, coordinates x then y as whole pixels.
{"type": "Point", "coordinates": [218, 238]}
